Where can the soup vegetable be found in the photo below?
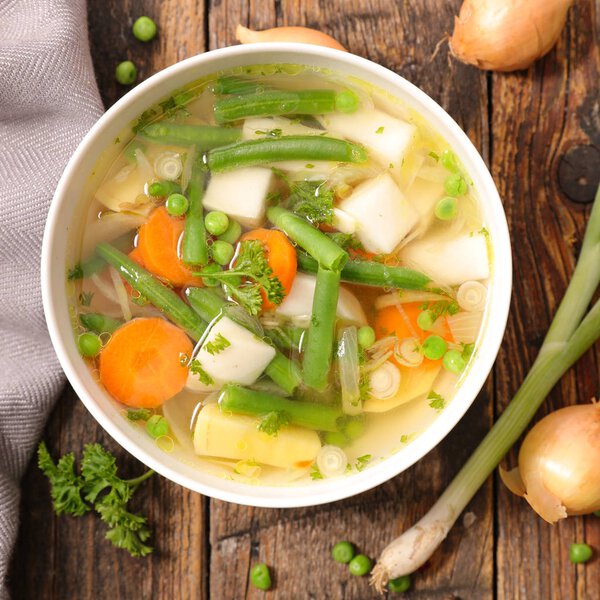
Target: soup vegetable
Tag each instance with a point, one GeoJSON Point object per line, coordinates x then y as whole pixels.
{"type": "Point", "coordinates": [282, 275]}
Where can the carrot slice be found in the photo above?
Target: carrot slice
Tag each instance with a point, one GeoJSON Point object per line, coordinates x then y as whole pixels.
{"type": "Point", "coordinates": [401, 320]}
{"type": "Point", "coordinates": [280, 255]}
{"type": "Point", "coordinates": [140, 366]}
{"type": "Point", "coordinates": [158, 244]}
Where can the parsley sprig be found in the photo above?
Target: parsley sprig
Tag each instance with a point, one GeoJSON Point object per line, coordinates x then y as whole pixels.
{"type": "Point", "coordinates": [312, 200]}
{"type": "Point", "coordinates": [99, 487]}
{"type": "Point", "coordinates": [272, 422]}
{"type": "Point", "coordinates": [252, 268]}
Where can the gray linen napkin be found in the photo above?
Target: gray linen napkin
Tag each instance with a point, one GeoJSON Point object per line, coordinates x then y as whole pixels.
{"type": "Point", "coordinates": [48, 101]}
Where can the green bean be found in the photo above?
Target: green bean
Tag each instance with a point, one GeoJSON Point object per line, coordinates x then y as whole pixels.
{"type": "Point", "coordinates": [194, 249]}
{"type": "Point", "coordinates": [203, 136]}
{"type": "Point", "coordinates": [99, 323]}
{"type": "Point", "coordinates": [286, 338]}
{"type": "Point", "coordinates": [316, 361]}
{"type": "Point", "coordinates": [368, 272]}
{"type": "Point", "coordinates": [272, 103]}
{"type": "Point", "coordinates": [209, 305]}
{"type": "Point", "coordinates": [235, 85]}
{"type": "Point", "coordinates": [162, 297]}
{"type": "Point", "coordinates": [321, 247]}
{"type": "Point", "coordinates": [287, 147]}
{"type": "Point", "coordinates": [312, 415]}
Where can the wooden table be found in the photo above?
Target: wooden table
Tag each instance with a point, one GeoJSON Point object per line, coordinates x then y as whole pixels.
{"type": "Point", "coordinates": [539, 131]}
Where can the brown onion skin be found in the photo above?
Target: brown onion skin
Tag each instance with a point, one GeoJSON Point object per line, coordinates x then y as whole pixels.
{"type": "Point", "coordinates": [303, 35]}
{"type": "Point", "coordinates": [562, 452]}
{"type": "Point", "coordinates": [507, 35]}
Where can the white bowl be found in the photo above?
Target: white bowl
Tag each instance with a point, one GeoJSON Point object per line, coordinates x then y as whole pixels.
{"type": "Point", "coordinates": [66, 209]}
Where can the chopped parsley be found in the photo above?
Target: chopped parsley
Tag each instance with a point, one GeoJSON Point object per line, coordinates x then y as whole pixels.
{"type": "Point", "coordinates": [272, 422]}
{"type": "Point", "coordinates": [98, 487]}
{"type": "Point", "coordinates": [441, 308]}
{"type": "Point", "coordinates": [252, 267]}
{"type": "Point", "coordinates": [85, 298]}
{"type": "Point", "coordinates": [362, 461]}
{"type": "Point", "coordinates": [434, 155]}
{"type": "Point", "coordinates": [315, 472]}
{"type": "Point", "coordinates": [379, 129]}
{"type": "Point", "coordinates": [436, 401]}
{"type": "Point", "coordinates": [273, 133]}
{"type": "Point", "coordinates": [467, 351]}
{"type": "Point", "coordinates": [217, 345]}
{"type": "Point", "coordinates": [312, 200]}
{"type": "Point", "coordinates": [139, 414]}
{"type": "Point", "coordinates": [203, 376]}
{"type": "Point", "coordinates": [346, 241]}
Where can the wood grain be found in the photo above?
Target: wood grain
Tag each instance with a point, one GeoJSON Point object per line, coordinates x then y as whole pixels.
{"type": "Point", "coordinates": [529, 126]}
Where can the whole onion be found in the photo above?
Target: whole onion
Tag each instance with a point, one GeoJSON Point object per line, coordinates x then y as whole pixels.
{"type": "Point", "coordinates": [507, 35]}
{"type": "Point", "coordinates": [559, 464]}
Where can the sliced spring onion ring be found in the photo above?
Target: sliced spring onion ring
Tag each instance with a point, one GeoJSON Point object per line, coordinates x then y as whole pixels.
{"type": "Point", "coordinates": [471, 296]}
{"type": "Point", "coordinates": [332, 461]}
{"type": "Point", "coordinates": [168, 165]}
{"type": "Point", "coordinates": [407, 352]}
{"type": "Point", "coordinates": [385, 381]}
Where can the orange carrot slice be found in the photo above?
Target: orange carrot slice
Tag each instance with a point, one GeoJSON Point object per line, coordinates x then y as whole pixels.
{"type": "Point", "coordinates": [158, 245]}
{"type": "Point", "coordinates": [280, 255]}
{"type": "Point", "coordinates": [140, 366]}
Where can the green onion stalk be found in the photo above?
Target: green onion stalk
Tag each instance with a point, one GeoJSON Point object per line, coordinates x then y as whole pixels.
{"type": "Point", "coordinates": [570, 335]}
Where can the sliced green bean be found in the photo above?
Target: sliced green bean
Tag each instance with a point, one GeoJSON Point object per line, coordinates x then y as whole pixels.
{"type": "Point", "coordinates": [210, 304]}
{"type": "Point", "coordinates": [273, 103]}
{"type": "Point", "coordinates": [234, 85]}
{"type": "Point", "coordinates": [321, 247]}
{"type": "Point", "coordinates": [369, 272]}
{"type": "Point", "coordinates": [316, 361]}
{"type": "Point", "coordinates": [287, 147]}
{"type": "Point", "coordinates": [312, 415]}
{"type": "Point", "coordinates": [203, 136]}
{"type": "Point", "coordinates": [99, 323]}
{"type": "Point", "coordinates": [194, 250]}
{"type": "Point", "coordinates": [162, 297]}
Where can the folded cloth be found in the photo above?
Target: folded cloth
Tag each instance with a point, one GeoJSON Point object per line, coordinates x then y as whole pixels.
{"type": "Point", "coordinates": [48, 101]}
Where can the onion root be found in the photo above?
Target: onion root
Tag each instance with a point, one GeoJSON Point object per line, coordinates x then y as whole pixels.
{"type": "Point", "coordinates": [303, 35]}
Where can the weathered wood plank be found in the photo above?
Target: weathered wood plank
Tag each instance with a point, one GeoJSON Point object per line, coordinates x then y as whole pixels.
{"type": "Point", "coordinates": [297, 542]}
{"type": "Point", "coordinates": [538, 116]}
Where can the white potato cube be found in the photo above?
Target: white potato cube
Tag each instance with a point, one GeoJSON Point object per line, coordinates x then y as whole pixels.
{"type": "Point", "coordinates": [451, 261]}
{"type": "Point", "coordinates": [383, 214]}
{"type": "Point", "coordinates": [298, 303]}
{"type": "Point", "coordinates": [237, 437]}
{"type": "Point", "coordinates": [343, 221]}
{"type": "Point", "coordinates": [387, 138]}
{"type": "Point", "coordinates": [240, 194]}
{"type": "Point", "coordinates": [243, 361]}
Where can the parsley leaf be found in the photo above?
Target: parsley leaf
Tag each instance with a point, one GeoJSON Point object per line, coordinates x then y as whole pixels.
{"type": "Point", "coordinates": [362, 461]}
{"type": "Point", "coordinates": [98, 486]}
{"type": "Point", "coordinates": [203, 376]}
{"type": "Point", "coordinates": [436, 401]}
{"type": "Point", "coordinates": [272, 422]}
{"type": "Point", "coordinates": [139, 414]}
{"type": "Point", "coordinates": [85, 298]}
{"type": "Point", "coordinates": [75, 272]}
{"type": "Point", "coordinates": [312, 200]}
{"type": "Point", "coordinates": [345, 241]}
{"type": "Point", "coordinates": [441, 308]}
{"type": "Point", "coordinates": [315, 472]}
{"type": "Point", "coordinates": [467, 351]}
{"type": "Point", "coordinates": [217, 345]}
{"type": "Point", "coordinates": [253, 267]}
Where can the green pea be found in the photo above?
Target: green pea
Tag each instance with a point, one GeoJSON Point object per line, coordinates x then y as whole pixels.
{"type": "Point", "coordinates": [216, 222]}
{"type": "Point", "coordinates": [157, 426]}
{"type": "Point", "coordinates": [354, 428]}
{"type": "Point", "coordinates": [126, 73]}
{"type": "Point", "coordinates": [448, 161]}
{"type": "Point", "coordinates": [360, 565]}
{"type": "Point", "coordinates": [343, 552]}
{"type": "Point", "coordinates": [425, 320]}
{"type": "Point", "coordinates": [400, 584]}
{"type": "Point", "coordinates": [446, 209]}
{"type": "Point", "coordinates": [580, 553]}
{"type": "Point", "coordinates": [89, 344]}
{"type": "Point", "coordinates": [222, 252]}
{"type": "Point", "coordinates": [366, 336]}
{"type": "Point", "coordinates": [212, 268]}
{"type": "Point", "coordinates": [177, 205]}
{"type": "Point", "coordinates": [335, 438]}
{"type": "Point", "coordinates": [455, 185]}
{"type": "Point", "coordinates": [434, 347]}
{"type": "Point", "coordinates": [144, 29]}
{"type": "Point", "coordinates": [346, 101]}
{"type": "Point", "coordinates": [233, 233]}
{"type": "Point", "coordinates": [260, 577]}
{"type": "Point", "coordinates": [454, 362]}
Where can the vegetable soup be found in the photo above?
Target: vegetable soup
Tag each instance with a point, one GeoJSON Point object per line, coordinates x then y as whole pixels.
{"type": "Point", "coordinates": [282, 275]}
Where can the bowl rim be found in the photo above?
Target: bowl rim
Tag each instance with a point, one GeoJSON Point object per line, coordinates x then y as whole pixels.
{"type": "Point", "coordinates": [314, 493]}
